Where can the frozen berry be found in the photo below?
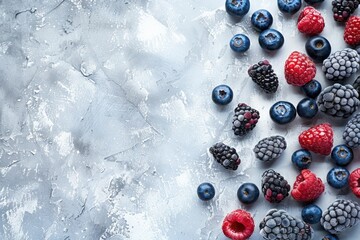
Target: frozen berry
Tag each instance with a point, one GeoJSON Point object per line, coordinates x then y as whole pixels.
{"type": "Point", "coordinates": [342, 155]}
{"type": "Point", "coordinates": [311, 214]}
{"type": "Point", "coordinates": [307, 187]}
{"type": "Point", "coordinates": [248, 193]}
{"type": "Point", "coordinates": [206, 191]}
{"type": "Point", "coordinates": [354, 182]}
{"type": "Point", "coordinates": [261, 20]}
{"type": "Point", "coordinates": [312, 89]}
{"type": "Point", "coordinates": [307, 108]}
{"type": "Point", "coordinates": [289, 6]}
{"type": "Point", "coordinates": [299, 69]}
{"type": "Point", "coordinates": [318, 48]}
{"type": "Point", "coordinates": [282, 112]}
{"type": "Point", "coordinates": [302, 159]}
{"type": "Point", "coordinates": [271, 39]}
{"type": "Point", "coordinates": [238, 225]}
{"type": "Point", "coordinates": [330, 237]}
{"type": "Point", "coordinates": [338, 177]}
{"type": "Point", "coordinates": [318, 139]}
{"type": "Point", "coordinates": [240, 43]}
{"type": "Point", "coordinates": [222, 95]}
{"type": "Point", "coordinates": [237, 8]}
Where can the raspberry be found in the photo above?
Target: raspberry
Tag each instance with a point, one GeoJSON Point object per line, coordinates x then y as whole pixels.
{"type": "Point", "coordinates": [352, 31]}
{"type": "Point", "coordinates": [318, 139]}
{"type": "Point", "coordinates": [270, 148]}
{"type": "Point", "coordinates": [307, 187]}
{"type": "Point", "coordinates": [225, 155]}
{"type": "Point", "coordinates": [342, 9]}
{"type": "Point", "coordinates": [299, 69]}
{"type": "Point", "coordinates": [263, 75]}
{"type": "Point", "coordinates": [245, 119]}
{"type": "Point", "coordinates": [274, 186]}
{"type": "Point", "coordinates": [238, 225]}
{"type": "Point", "coordinates": [310, 21]}
{"type": "Point", "coordinates": [354, 182]}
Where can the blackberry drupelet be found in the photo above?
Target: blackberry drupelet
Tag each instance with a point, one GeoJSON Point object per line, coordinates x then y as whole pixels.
{"type": "Point", "coordinates": [340, 215]}
{"type": "Point", "coordinates": [274, 187]}
{"type": "Point", "coordinates": [245, 119]}
{"type": "Point", "coordinates": [225, 155]}
{"type": "Point", "coordinates": [342, 9]}
{"type": "Point", "coordinates": [338, 100]}
{"type": "Point", "coordinates": [270, 148]}
{"type": "Point", "coordinates": [263, 75]}
{"type": "Point", "coordinates": [278, 224]}
{"type": "Point", "coordinates": [351, 134]}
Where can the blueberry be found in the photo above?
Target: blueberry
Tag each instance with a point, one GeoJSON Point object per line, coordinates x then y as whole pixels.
{"type": "Point", "coordinates": [311, 2]}
{"type": "Point", "coordinates": [318, 48]}
{"type": "Point", "coordinates": [338, 177]}
{"type": "Point", "coordinates": [330, 237]}
{"type": "Point", "coordinates": [311, 214]}
{"type": "Point", "coordinates": [307, 108]}
{"type": "Point", "coordinates": [342, 155]}
{"type": "Point", "coordinates": [261, 20]}
{"type": "Point", "coordinates": [312, 89]}
{"type": "Point", "coordinates": [206, 191]}
{"type": "Point", "coordinates": [248, 193]}
{"type": "Point", "coordinates": [222, 95]}
{"type": "Point", "coordinates": [282, 112]}
{"type": "Point", "coordinates": [289, 6]}
{"type": "Point", "coordinates": [237, 8]}
{"type": "Point", "coordinates": [240, 43]}
{"type": "Point", "coordinates": [271, 39]}
{"type": "Point", "coordinates": [302, 159]}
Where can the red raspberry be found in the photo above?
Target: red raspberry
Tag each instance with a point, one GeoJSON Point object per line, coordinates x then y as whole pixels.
{"type": "Point", "coordinates": [354, 182]}
{"type": "Point", "coordinates": [307, 187]}
{"type": "Point", "coordinates": [299, 69]}
{"type": "Point", "coordinates": [310, 21]}
{"type": "Point", "coordinates": [352, 31]}
{"type": "Point", "coordinates": [318, 139]}
{"type": "Point", "coordinates": [238, 225]}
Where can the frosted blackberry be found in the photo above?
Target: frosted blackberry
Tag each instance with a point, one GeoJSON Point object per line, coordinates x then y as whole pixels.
{"type": "Point", "coordinates": [351, 134]}
{"type": "Point", "coordinates": [270, 148]}
{"type": "Point", "coordinates": [278, 224]}
{"type": "Point", "coordinates": [225, 155]}
{"type": "Point", "coordinates": [263, 75]}
{"type": "Point", "coordinates": [274, 186]}
{"type": "Point", "coordinates": [340, 216]}
{"type": "Point", "coordinates": [356, 84]}
{"type": "Point", "coordinates": [341, 64]}
{"type": "Point", "coordinates": [342, 9]}
{"type": "Point", "coordinates": [338, 100]}
{"type": "Point", "coordinates": [245, 119]}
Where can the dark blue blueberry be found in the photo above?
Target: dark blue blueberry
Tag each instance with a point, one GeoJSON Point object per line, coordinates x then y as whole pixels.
{"type": "Point", "coordinates": [311, 214]}
{"type": "Point", "coordinates": [282, 112]}
{"type": "Point", "coordinates": [330, 237]}
{"type": "Point", "coordinates": [248, 193]}
{"type": "Point", "coordinates": [311, 2]}
{"type": "Point", "coordinates": [289, 6]}
{"type": "Point", "coordinates": [302, 159]}
{"type": "Point", "coordinates": [318, 48]}
{"type": "Point", "coordinates": [312, 89]}
{"type": "Point", "coordinates": [237, 8]}
{"type": "Point", "coordinates": [338, 177]}
{"type": "Point", "coordinates": [240, 43]}
{"type": "Point", "coordinates": [307, 108]}
{"type": "Point", "coordinates": [206, 191]}
{"type": "Point", "coordinates": [271, 39]}
{"type": "Point", "coordinates": [261, 20]}
{"type": "Point", "coordinates": [222, 95]}
{"type": "Point", "coordinates": [342, 155]}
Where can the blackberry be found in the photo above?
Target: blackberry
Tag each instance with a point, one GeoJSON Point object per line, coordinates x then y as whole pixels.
{"type": "Point", "coordinates": [351, 134]}
{"type": "Point", "coordinates": [225, 155]}
{"type": "Point", "coordinates": [245, 119]}
{"type": "Point", "coordinates": [278, 224]}
{"type": "Point", "coordinates": [342, 9]}
{"type": "Point", "coordinates": [340, 215]}
{"type": "Point", "coordinates": [263, 75]}
{"type": "Point", "coordinates": [338, 100]}
{"type": "Point", "coordinates": [270, 148]}
{"type": "Point", "coordinates": [274, 187]}
{"type": "Point", "coordinates": [356, 84]}
{"type": "Point", "coordinates": [341, 64]}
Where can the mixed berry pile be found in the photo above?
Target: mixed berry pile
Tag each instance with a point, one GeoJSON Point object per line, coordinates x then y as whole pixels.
{"type": "Point", "coordinates": [336, 101]}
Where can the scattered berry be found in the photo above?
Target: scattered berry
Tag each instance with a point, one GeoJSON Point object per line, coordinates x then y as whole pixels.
{"type": "Point", "coordinates": [342, 155]}
{"type": "Point", "coordinates": [311, 214]}
{"type": "Point", "coordinates": [338, 177]}
{"type": "Point", "coordinates": [248, 193]}
{"type": "Point", "coordinates": [245, 119]}
{"type": "Point", "coordinates": [313, 1]}
{"type": "Point", "coordinates": [318, 48]}
{"type": "Point", "coordinates": [302, 159]}
{"type": "Point", "coordinates": [310, 21]}
{"type": "Point", "coordinates": [222, 95]}
{"type": "Point", "coordinates": [341, 64]}
{"type": "Point", "coordinates": [342, 9]}
{"type": "Point", "coordinates": [238, 225]}
{"type": "Point", "coordinates": [274, 187]}
{"type": "Point", "coordinates": [351, 134]}
{"type": "Point", "coordinates": [354, 182]}
{"type": "Point", "coordinates": [330, 237]}
{"type": "Point", "coordinates": [352, 31]}
{"type": "Point", "coordinates": [289, 6]}
{"type": "Point", "coordinates": [312, 89]}
{"type": "Point", "coordinates": [307, 108]}
{"type": "Point", "coordinates": [299, 69]}
{"type": "Point", "coordinates": [307, 187]}
{"type": "Point", "coordinates": [237, 8]}
{"type": "Point", "coordinates": [340, 216]}
{"type": "Point", "coordinates": [269, 149]}
{"type": "Point", "coordinates": [282, 112]}
{"type": "Point", "coordinates": [240, 43]}
{"type": "Point", "coordinates": [206, 191]}
{"type": "Point", "coordinates": [271, 39]}
{"type": "Point", "coordinates": [225, 155]}
{"type": "Point", "coordinates": [338, 100]}
{"type": "Point", "coordinates": [318, 139]}
{"type": "Point", "coordinates": [263, 75]}
{"type": "Point", "coordinates": [356, 84]}
{"type": "Point", "coordinates": [279, 225]}
{"type": "Point", "coordinates": [261, 20]}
